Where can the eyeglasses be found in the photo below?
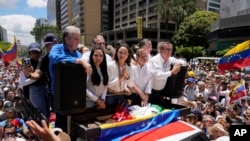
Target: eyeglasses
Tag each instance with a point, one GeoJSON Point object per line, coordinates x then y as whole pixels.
{"type": "Point", "coordinates": [166, 49]}
{"type": "Point", "coordinates": [101, 43]}
{"type": "Point", "coordinates": [208, 121]}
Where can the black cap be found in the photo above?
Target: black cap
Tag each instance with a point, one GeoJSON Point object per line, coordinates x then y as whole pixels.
{"type": "Point", "coordinates": [50, 38]}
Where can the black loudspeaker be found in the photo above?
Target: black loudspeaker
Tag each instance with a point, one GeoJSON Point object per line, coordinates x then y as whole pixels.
{"type": "Point", "coordinates": [70, 88]}
{"type": "Point", "coordinates": [174, 85]}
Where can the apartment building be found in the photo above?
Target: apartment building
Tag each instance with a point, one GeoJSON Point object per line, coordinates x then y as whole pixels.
{"type": "Point", "coordinates": [127, 12]}
{"type": "Point", "coordinates": [233, 26]}
{"type": "Point", "coordinates": [3, 34]}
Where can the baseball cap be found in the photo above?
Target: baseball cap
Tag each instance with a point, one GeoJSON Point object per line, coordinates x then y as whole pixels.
{"type": "Point", "coordinates": [191, 80]}
{"type": "Point", "coordinates": [34, 47]}
{"type": "Point", "coordinates": [50, 38]}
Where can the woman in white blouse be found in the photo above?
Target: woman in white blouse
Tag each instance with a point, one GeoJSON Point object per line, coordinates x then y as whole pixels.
{"type": "Point", "coordinates": [120, 75]}
{"type": "Point", "coordinates": [97, 82]}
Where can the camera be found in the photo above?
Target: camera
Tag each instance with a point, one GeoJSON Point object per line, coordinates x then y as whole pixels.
{"type": "Point", "coordinates": [26, 62]}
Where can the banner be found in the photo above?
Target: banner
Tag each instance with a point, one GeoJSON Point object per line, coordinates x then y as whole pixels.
{"type": "Point", "coordinates": [139, 27]}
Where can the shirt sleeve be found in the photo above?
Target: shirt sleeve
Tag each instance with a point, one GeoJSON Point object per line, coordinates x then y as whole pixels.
{"type": "Point", "coordinates": [113, 77]}
{"type": "Point", "coordinates": [58, 55]}
{"type": "Point", "coordinates": [91, 96]}
{"type": "Point", "coordinates": [157, 70]}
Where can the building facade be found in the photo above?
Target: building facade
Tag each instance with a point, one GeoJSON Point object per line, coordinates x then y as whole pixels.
{"type": "Point", "coordinates": [232, 28]}
{"type": "Point", "coordinates": [91, 16]}
{"type": "Point", "coordinates": [127, 12]}
{"type": "Point", "coordinates": [41, 22]}
{"type": "Point", "coordinates": [51, 12]}
{"type": "Point", "coordinates": [213, 5]}
{"type": "Point", "coordinates": [3, 34]}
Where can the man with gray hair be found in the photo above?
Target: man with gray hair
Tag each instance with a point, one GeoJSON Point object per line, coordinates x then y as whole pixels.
{"type": "Point", "coordinates": [66, 52]}
{"type": "Point", "coordinates": [203, 90]}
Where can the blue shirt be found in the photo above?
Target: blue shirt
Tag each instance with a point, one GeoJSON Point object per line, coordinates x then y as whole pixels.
{"type": "Point", "coordinates": [58, 54]}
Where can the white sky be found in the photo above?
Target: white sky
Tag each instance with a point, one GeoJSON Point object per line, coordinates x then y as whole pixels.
{"type": "Point", "coordinates": [18, 18]}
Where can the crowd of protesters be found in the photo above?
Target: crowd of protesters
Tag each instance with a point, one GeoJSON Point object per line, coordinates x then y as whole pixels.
{"type": "Point", "coordinates": [210, 94]}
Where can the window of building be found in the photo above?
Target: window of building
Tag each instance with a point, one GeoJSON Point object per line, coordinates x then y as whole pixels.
{"type": "Point", "coordinates": [117, 20]}
{"type": "Point", "coordinates": [124, 18]}
{"type": "Point", "coordinates": [132, 7]}
{"type": "Point", "coordinates": [117, 5]}
{"type": "Point", "coordinates": [131, 16]}
{"type": "Point", "coordinates": [117, 13]}
{"type": "Point", "coordinates": [124, 10]}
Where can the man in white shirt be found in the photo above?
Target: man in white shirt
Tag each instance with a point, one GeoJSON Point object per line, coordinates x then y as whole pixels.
{"type": "Point", "coordinates": [202, 89]}
{"type": "Point", "coordinates": [142, 77]}
{"type": "Point", "coordinates": [161, 69]}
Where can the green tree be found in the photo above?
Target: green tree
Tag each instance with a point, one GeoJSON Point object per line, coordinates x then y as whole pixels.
{"type": "Point", "coordinates": [190, 52]}
{"type": "Point", "coordinates": [4, 46]}
{"type": "Point", "coordinates": [40, 31]}
{"type": "Point", "coordinates": [164, 7]}
{"type": "Point", "coordinates": [223, 52]}
{"type": "Point", "coordinates": [182, 9]}
{"type": "Point", "coordinates": [195, 29]}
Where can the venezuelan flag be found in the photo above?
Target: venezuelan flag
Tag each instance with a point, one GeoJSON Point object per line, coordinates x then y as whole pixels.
{"type": "Point", "coordinates": [236, 58]}
{"type": "Point", "coordinates": [239, 91]}
{"type": "Point", "coordinates": [11, 53]}
{"type": "Point", "coordinates": [121, 130]}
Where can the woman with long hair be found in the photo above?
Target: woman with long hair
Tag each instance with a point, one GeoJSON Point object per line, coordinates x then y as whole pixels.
{"type": "Point", "coordinates": [97, 82]}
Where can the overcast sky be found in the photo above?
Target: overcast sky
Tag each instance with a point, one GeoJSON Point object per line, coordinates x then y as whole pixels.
{"type": "Point", "coordinates": [18, 17]}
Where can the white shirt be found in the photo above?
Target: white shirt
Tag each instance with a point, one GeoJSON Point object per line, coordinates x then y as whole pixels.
{"type": "Point", "coordinates": [205, 93]}
{"type": "Point", "coordinates": [114, 72]}
{"type": "Point", "coordinates": [94, 92]}
{"type": "Point", "coordinates": [86, 55]}
{"type": "Point", "coordinates": [191, 92]}
{"type": "Point", "coordinates": [143, 77]}
{"type": "Point", "coordinates": [161, 70]}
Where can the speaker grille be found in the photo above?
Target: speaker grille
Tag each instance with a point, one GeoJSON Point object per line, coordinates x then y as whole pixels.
{"type": "Point", "coordinates": [70, 88]}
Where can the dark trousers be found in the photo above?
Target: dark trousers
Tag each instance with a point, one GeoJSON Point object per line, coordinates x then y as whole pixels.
{"type": "Point", "coordinates": [112, 100]}
{"type": "Point", "coordinates": [154, 97]}
{"type": "Point", "coordinates": [157, 97]}
{"type": "Point", "coordinates": [135, 99]}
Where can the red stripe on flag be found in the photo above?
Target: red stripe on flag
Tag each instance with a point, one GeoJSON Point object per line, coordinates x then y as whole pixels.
{"type": "Point", "coordinates": [158, 133]}
{"type": "Point", "coordinates": [235, 65]}
{"type": "Point", "coordinates": [237, 96]}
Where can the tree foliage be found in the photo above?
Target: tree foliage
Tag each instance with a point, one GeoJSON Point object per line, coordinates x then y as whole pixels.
{"type": "Point", "coordinates": [176, 10]}
{"type": "Point", "coordinates": [195, 29]}
{"type": "Point", "coordinates": [189, 52]}
{"type": "Point", "coordinates": [4, 46]}
{"type": "Point", "coordinates": [182, 9]}
{"type": "Point", "coordinates": [223, 52]}
{"type": "Point", "coordinates": [40, 31]}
